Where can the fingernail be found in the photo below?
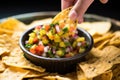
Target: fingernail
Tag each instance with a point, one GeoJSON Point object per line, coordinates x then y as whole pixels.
{"type": "Point", "coordinates": [73, 15]}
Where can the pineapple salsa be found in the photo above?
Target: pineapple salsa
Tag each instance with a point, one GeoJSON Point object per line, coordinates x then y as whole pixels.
{"type": "Point", "coordinates": [55, 41]}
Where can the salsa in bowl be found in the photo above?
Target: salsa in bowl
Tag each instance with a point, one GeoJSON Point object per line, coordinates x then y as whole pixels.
{"type": "Point", "coordinates": [55, 48]}
{"type": "Point", "coordinates": [53, 41]}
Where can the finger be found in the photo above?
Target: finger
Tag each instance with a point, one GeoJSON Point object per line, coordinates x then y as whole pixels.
{"type": "Point", "coordinates": [79, 9]}
{"type": "Point", "coordinates": [66, 3]}
{"type": "Point", "coordinates": [103, 1]}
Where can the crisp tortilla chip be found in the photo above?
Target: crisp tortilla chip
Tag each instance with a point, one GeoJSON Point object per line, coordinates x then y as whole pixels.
{"type": "Point", "coordinates": [104, 37]}
{"type": "Point", "coordinates": [116, 72]}
{"type": "Point", "coordinates": [2, 66]}
{"type": "Point", "coordinates": [62, 17]}
{"type": "Point", "coordinates": [4, 31]}
{"type": "Point", "coordinates": [40, 22]}
{"type": "Point", "coordinates": [102, 45]}
{"type": "Point", "coordinates": [6, 42]}
{"type": "Point", "coordinates": [33, 74]}
{"type": "Point", "coordinates": [72, 75]}
{"type": "Point", "coordinates": [21, 62]}
{"type": "Point", "coordinates": [97, 67]}
{"type": "Point", "coordinates": [116, 60]}
{"type": "Point", "coordinates": [80, 74]}
{"type": "Point", "coordinates": [105, 76]}
{"type": "Point", "coordinates": [94, 53]}
{"type": "Point", "coordinates": [100, 27]}
{"type": "Point", "coordinates": [4, 51]}
{"type": "Point", "coordinates": [92, 70]}
{"type": "Point", "coordinates": [13, 73]}
{"type": "Point", "coordinates": [116, 39]}
{"type": "Point", "coordinates": [16, 52]}
{"type": "Point", "coordinates": [9, 25]}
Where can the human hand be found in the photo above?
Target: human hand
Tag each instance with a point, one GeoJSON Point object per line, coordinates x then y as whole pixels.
{"type": "Point", "coordinates": [79, 7]}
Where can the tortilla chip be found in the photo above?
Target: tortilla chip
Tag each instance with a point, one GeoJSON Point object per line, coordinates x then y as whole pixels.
{"type": "Point", "coordinates": [115, 40]}
{"type": "Point", "coordinates": [40, 22]}
{"type": "Point", "coordinates": [21, 62]}
{"type": "Point", "coordinates": [116, 72]}
{"type": "Point", "coordinates": [97, 67]}
{"type": "Point", "coordinates": [4, 51]}
{"type": "Point", "coordinates": [104, 37]}
{"type": "Point", "coordinates": [72, 75]}
{"type": "Point", "coordinates": [80, 74]}
{"type": "Point", "coordinates": [9, 25]}
{"type": "Point", "coordinates": [33, 74]}
{"type": "Point", "coordinates": [62, 17]}
{"type": "Point", "coordinates": [116, 60]}
{"type": "Point", "coordinates": [94, 53]}
{"type": "Point", "coordinates": [13, 73]}
{"type": "Point", "coordinates": [4, 31]}
{"type": "Point", "coordinates": [102, 45]}
{"type": "Point", "coordinates": [2, 66]}
{"type": "Point", "coordinates": [6, 39]}
{"type": "Point", "coordinates": [100, 27]}
{"type": "Point", "coordinates": [105, 76]}
{"type": "Point", "coordinates": [92, 70]}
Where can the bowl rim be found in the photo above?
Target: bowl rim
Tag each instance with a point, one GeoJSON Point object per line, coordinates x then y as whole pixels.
{"type": "Point", "coordinates": [77, 56]}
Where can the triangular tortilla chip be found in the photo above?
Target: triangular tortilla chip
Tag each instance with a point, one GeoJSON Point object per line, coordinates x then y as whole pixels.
{"type": "Point", "coordinates": [99, 66]}
{"type": "Point", "coordinates": [13, 73]}
{"type": "Point", "coordinates": [63, 17]}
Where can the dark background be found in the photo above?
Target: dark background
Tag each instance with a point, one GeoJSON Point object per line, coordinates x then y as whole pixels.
{"type": "Point", "coordinates": [11, 7]}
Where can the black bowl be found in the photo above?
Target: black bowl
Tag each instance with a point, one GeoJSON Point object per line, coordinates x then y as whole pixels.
{"type": "Point", "coordinates": [60, 65]}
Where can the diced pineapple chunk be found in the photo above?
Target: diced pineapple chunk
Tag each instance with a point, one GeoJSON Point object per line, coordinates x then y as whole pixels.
{"type": "Point", "coordinates": [74, 44]}
{"type": "Point", "coordinates": [60, 33]}
{"type": "Point", "coordinates": [81, 50]}
{"type": "Point", "coordinates": [42, 32]}
{"type": "Point", "coordinates": [57, 38]}
{"type": "Point", "coordinates": [62, 44]}
{"type": "Point", "coordinates": [32, 34]}
{"type": "Point", "coordinates": [30, 41]}
{"type": "Point", "coordinates": [45, 41]}
{"type": "Point", "coordinates": [60, 53]}
{"type": "Point", "coordinates": [80, 39]}
{"type": "Point", "coordinates": [49, 34]}
{"type": "Point", "coordinates": [65, 35]}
